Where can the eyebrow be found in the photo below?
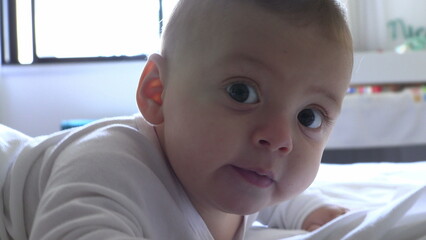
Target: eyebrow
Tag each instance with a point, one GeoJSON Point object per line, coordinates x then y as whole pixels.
{"type": "Point", "coordinates": [249, 58]}
{"type": "Point", "coordinates": [244, 59]}
{"type": "Point", "coordinates": [321, 90]}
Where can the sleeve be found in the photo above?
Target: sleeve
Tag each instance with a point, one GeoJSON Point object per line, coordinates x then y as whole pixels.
{"type": "Point", "coordinates": [11, 144]}
{"type": "Point", "coordinates": [291, 214]}
{"type": "Point", "coordinates": [93, 193]}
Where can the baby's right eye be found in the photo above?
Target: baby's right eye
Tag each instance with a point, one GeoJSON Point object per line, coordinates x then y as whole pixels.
{"type": "Point", "coordinates": [243, 93]}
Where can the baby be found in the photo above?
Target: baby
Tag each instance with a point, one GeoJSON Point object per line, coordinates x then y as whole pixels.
{"type": "Point", "coordinates": [236, 111]}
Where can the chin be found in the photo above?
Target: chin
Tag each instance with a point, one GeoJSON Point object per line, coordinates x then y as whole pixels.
{"type": "Point", "coordinates": [242, 211]}
{"type": "Point", "coordinates": [243, 207]}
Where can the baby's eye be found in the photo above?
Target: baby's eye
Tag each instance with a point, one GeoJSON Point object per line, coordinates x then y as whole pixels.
{"type": "Point", "coordinates": [310, 118]}
{"type": "Point", "coordinates": [243, 93]}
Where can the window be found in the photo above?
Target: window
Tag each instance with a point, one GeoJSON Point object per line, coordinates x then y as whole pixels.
{"type": "Point", "coordinates": [36, 31]}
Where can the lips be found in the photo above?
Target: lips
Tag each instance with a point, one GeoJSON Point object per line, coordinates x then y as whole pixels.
{"type": "Point", "coordinates": [258, 178]}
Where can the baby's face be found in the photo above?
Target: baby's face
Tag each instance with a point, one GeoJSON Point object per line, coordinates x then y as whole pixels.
{"type": "Point", "coordinates": [247, 119]}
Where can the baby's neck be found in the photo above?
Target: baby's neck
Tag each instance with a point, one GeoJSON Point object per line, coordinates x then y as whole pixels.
{"type": "Point", "coordinates": [223, 227]}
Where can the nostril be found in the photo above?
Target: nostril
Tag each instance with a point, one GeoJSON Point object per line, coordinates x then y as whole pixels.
{"type": "Point", "coordinates": [284, 149]}
{"type": "Point", "coordinates": [268, 145]}
{"type": "Point", "coordinates": [264, 142]}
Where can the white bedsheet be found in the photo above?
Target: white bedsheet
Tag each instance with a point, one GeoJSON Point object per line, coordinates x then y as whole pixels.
{"type": "Point", "coordinates": [369, 185]}
{"type": "Point", "coordinates": [387, 202]}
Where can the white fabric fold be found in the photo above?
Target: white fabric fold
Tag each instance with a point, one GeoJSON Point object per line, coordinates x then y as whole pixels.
{"type": "Point", "coordinates": [400, 220]}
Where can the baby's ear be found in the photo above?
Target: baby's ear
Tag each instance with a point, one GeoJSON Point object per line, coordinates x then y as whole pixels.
{"type": "Point", "coordinates": [150, 90]}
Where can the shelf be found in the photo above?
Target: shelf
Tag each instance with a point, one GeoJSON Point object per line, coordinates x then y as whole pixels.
{"type": "Point", "coordinates": [380, 120]}
{"type": "Point", "coordinates": [389, 68]}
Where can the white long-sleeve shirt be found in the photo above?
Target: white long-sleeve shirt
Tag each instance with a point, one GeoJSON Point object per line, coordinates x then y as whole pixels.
{"type": "Point", "coordinates": [106, 180]}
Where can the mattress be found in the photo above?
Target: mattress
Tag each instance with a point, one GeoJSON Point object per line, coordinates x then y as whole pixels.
{"type": "Point", "coordinates": [387, 201]}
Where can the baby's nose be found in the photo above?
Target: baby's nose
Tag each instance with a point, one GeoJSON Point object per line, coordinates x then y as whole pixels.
{"type": "Point", "coordinates": [274, 137]}
{"type": "Point", "coordinates": [273, 146]}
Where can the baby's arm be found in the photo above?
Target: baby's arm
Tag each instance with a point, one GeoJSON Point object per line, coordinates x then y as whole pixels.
{"type": "Point", "coordinates": [306, 211]}
{"type": "Point", "coordinates": [321, 216]}
{"type": "Point", "coordinates": [93, 189]}
{"type": "Point", "coordinates": [76, 207]}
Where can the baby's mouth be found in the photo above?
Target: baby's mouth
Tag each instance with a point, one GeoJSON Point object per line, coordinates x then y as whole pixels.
{"type": "Point", "coordinates": [258, 178]}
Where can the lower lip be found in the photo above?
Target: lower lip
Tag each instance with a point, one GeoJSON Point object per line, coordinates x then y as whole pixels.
{"type": "Point", "coordinates": [254, 178]}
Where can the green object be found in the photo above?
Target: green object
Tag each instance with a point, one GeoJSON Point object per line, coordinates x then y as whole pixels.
{"type": "Point", "coordinates": [412, 44]}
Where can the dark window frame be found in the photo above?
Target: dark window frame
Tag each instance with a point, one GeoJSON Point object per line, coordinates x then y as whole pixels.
{"type": "Point", "coordinates": [9, 39]}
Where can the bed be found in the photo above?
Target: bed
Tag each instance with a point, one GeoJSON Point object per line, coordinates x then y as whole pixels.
{"type": "Point", "coordinates": [387, 201]}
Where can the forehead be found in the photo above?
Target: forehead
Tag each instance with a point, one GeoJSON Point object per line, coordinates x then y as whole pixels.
{"type": "Point", "coordinates": [200, 24]}
{"type": "Point", "coordinates": [248, 38]}
{"type": "Point", "coordinates": [270, 39]}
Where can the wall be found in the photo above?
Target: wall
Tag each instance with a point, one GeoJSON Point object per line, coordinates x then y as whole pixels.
{"type": "Point", "coordinates": [35, 99]}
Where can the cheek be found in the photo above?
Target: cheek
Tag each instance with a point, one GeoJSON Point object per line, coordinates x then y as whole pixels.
{"type": "Point", "coordinates": [197, 149]}
{"type": "Point", "coordinates": [197, 132]}
{"type": "Point", "coordinates": [197, 123]}
{"type": "Point", "coordinates": [299, 172]}
{"type": "Point", "coordinates": [308, 162]}
{"type": "Point", "coordinates": [200, 138]}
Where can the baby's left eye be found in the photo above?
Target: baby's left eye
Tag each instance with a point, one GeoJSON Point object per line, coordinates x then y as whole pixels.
{"type": "Point", "coordinates": [310, 118]}
{"type": "Point", "coordinates": [243, 93]}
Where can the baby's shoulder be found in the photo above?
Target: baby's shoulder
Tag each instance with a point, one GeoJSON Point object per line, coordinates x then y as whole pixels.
{"type": "Point", "coordinates": [107, 152]}
{"type": "Point", "coordinates": [116, 138]}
